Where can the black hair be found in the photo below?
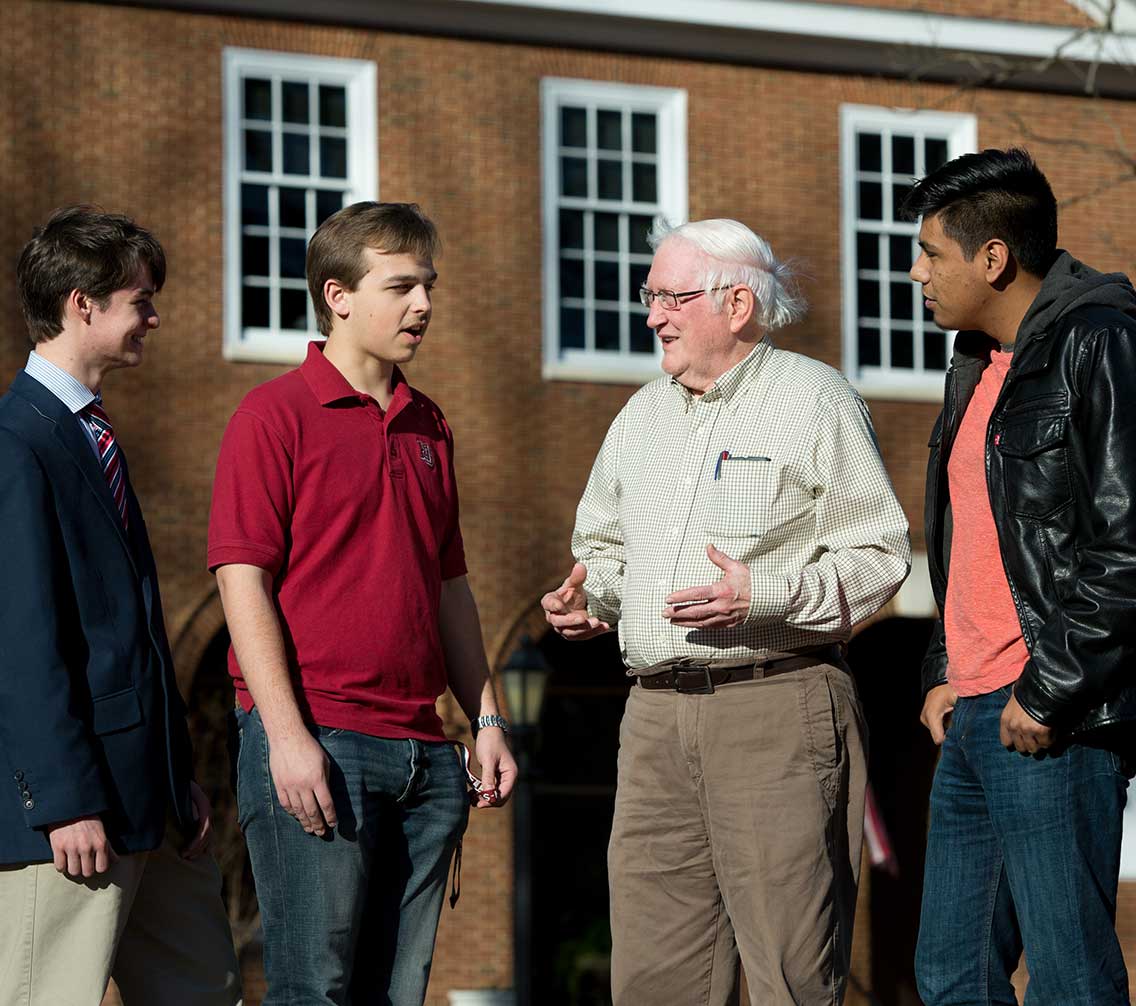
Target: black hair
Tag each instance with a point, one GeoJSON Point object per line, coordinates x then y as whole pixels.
{"type": "Point", "coordinates": [995, 194]}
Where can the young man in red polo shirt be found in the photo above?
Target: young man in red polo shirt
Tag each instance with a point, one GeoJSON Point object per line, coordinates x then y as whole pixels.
{"type": "Point", "coordinates": [334, 535]}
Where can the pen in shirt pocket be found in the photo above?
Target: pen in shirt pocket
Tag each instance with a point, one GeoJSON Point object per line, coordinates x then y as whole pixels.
{"type": "Point", "coordinates": [727, 456]}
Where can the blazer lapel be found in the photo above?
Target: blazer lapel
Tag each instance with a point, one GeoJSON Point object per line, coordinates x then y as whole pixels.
{"type": "Point", "coordinates": [76, 445]}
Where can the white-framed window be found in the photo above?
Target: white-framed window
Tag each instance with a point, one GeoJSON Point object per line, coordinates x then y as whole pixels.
{"type": "Point", "coordinates": [300, 143]}
{"type": "Point", "coordinates": [892, 346]}
{"type": "Point", "coordinates": [614, 158]}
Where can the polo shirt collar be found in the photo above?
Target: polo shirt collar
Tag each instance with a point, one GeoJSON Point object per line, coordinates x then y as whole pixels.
{"type": "Point", "coordinates": [329, 385]}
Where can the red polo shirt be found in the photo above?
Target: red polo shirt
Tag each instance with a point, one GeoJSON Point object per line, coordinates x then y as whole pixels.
{"type": "Point", "coordinates": [355, 514]}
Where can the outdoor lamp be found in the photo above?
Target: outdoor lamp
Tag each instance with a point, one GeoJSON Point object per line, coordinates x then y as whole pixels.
{"type": "Point", "coordinates": [523, 678]}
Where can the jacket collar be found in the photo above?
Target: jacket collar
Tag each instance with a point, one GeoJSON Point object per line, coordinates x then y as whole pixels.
{"type": "Point", "coordinates": [65, 428]}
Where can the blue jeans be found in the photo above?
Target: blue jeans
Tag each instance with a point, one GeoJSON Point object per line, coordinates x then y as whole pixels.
{"type": "Point", "coordinates": [350, 918]}
{"type": "Point", "coordinates": [1023, 852]}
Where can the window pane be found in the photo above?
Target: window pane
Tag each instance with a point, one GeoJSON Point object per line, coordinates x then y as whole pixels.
{"type": "Point", "coordinates": [296, 159]}
{"type": "Point", "coordinates": [258, 150]}
{"type": "Point", "coordinates": [868, 347]}
{"type": "Point", "coordinates": [868, 301]}
{"type": "Point", "coordinates": [258, 99]}
{"type": "Point", "coordinates": [333, 157]}
{"type": "Point", "coordinates": [935, 154]}
{"type": "Point", "coordinates": [871, 201]}
{"type": "Point", "coordinates": [934, 350]}
{"type": "Point", "coordinates": [899, 248]}
{"type": "Point", "coordinates": [609, 130]}
{"type": "Point", "coordinates": [903, 155]}
{"type": "Point", "coordinates": [292, 251]}
{"type": "Point", "coordinates": [571, 228]}
{"type": "Point", "coordinates": [293, 207]}
{"type": "Point", "coordinates": [638, 278]}
{"type": "Point", "coordinates": [571, 277]}
{"type": "Point", "coordinates": [254, 307]}
{"type": "Point", "coordinates": [573, 176]}
{"type": "Point", "coordinates": [869, 156]}
{"type": "Point", "coordinates": [607, 280]}
{"type": "Point", "coordinates": [333, 105]}
{"type": "Point", "coordinates": [639, 227]}
{"type": "Point", "coordinates": [254, 256]}
{"type": "Point", "coordinates": [902, 350]}
{"type": "Point", "coordinates": [643, 138]}
{"type": "Point", "coordinates": [898, 194]}
{"type": "Point", "coordinates": [607, 232]}
{"type": "Point", "coordinates": [607, 330]}
{"type": "Point", "coordinates": [642, 339]}
{"type": "Point", "coordinates": [573, 127]}
{"type": "Point", "coordinates": [254, 205]}
{"type": "Point", "coordinates": [327, 202]}
{"type": "Point", "coordinates": [295, 100]}
{"type": "Point", "coordinates": [903, 300]}
{"type": "Point", "coordinates": [644, 188]}
{"type": "Point", "coordinates": [571, 328]}
{"type": "Point", "coordinates": [609, 175]}
{"type": "Point", "coordinates": [294, 309]}
{"type": "Point", "coordinates": [867, 251]}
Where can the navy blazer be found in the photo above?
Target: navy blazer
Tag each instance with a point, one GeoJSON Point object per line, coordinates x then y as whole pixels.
{"type": "Point", "coordinates": [91, 721]}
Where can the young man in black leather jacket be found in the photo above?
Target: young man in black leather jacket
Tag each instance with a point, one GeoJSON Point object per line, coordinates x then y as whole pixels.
{"type": "Point", "coordinates": [1031, 537]}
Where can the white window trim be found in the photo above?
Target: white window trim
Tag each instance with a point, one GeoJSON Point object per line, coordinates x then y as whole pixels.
{"type": "Point", "coordinates": [961, 131]}
{"type": "Point", "coordinates": [669, 104]}
{"type": "Point", "coordinates": [360, 79]}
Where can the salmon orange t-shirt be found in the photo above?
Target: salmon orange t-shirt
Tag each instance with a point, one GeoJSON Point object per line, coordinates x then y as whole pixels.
{"type": "Point", "coordinates": [985, 648]}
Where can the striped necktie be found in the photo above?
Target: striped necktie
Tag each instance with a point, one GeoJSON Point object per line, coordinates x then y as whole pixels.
{"type": "Point", "coordinates": [109, 455]}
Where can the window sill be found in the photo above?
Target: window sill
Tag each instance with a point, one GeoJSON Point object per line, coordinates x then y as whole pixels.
{"type": "Point", "coordinates": [599, 371]}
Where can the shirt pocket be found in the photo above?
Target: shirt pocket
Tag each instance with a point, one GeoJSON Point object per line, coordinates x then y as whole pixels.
{"type": "Point", "coordinates": [1035, 466]}
{"type": "Point", "coordinates": [750, 497]}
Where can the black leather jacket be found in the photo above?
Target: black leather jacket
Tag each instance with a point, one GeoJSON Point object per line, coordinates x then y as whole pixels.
{"type": "Point", "coordinates": [1061, 473]}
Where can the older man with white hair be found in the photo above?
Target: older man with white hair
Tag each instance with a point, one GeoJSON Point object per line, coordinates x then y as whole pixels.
{"type": "Point", "coordinates": [737, 524]}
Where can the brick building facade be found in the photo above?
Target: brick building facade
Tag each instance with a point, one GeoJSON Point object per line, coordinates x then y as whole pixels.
{"type": "Point", "coordinates": [125, 106]}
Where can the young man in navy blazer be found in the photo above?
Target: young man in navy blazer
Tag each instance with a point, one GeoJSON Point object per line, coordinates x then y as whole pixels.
{"type": "Point", "coordinates": [103, 833]}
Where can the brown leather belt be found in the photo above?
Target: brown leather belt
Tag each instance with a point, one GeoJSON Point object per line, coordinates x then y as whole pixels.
{"type": "Point", "coordinates": [697, 676]}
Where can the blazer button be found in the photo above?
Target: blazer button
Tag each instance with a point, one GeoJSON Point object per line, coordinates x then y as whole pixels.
{"type": "Point", "coordinates": [29, 804]}
{"type": "Point", "coordinates": [19, 775]}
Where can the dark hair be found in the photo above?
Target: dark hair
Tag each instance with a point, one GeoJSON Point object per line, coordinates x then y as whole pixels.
{"type": "Point", "coordinates": [81, 248]}
{"type": "Point", "coordinates": [995, 194]}
{"type": "Point", "coordinates": [336, 249]}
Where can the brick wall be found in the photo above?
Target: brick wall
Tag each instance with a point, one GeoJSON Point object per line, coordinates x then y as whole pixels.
{"type": "Point", "coordinates": [1049, 12]}
{"type": "Point", "coordinates": [126, 113]}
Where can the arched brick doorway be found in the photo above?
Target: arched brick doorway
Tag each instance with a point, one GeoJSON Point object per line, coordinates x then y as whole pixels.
{"type": "Point", "coordinates": [885, 658]}
{"type": "Point", "coordinates": [200, 655]}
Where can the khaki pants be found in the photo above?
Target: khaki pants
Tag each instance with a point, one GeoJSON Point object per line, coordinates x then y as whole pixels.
{"type": "Point", "coordinates": [154, 921]}
{"type": "Point", "coordinates": [738, 825]}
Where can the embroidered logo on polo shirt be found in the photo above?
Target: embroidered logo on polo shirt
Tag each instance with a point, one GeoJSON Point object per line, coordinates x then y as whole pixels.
{"type": "Point", "coordinates": [425, 453]}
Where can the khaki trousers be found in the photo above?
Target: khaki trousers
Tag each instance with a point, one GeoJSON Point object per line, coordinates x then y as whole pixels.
{"type": "Point", "coordinates": [737, 831]}
{"type": "Point", "coordinates": [154, 921]}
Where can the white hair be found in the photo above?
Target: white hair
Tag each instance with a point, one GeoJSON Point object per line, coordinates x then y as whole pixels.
{"type": "Point", "coordinates": [736, 255]}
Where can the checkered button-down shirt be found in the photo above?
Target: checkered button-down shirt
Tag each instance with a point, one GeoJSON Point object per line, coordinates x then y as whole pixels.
{"type": "Point", "coordinates": [802, 499]}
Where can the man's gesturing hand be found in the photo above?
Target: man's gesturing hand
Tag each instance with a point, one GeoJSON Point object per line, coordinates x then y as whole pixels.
{"type": "Point", "coordinates": [1021, 731]}
{"type": "Point", "coordinates": [80, 848]}
{"type": "Point", "coordinates": [718, 605]}
{"type": "Point", "coordinates": [938, 704]}
{"type": "Point", "coordinates": [299, 767]}
{"type": "Point", "coordinates": [566, 608]}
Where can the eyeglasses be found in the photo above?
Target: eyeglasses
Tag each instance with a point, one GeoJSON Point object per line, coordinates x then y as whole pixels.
{"type": "Point", "coordinates": [670, 299]}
